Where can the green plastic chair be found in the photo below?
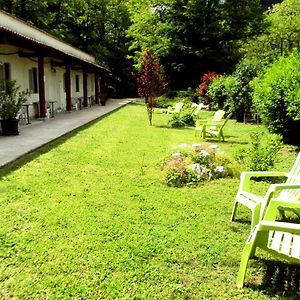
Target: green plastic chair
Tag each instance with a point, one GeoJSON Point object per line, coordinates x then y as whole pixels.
{"type": "Point", "coordinates": [203, 126]}
{"type": "Point", "coordinates": [215, 129]}
{"type": "Point", "coordinates": [282, 197]}
{"type": "Point", "coordinates": [278, 238]}
{"type": "Point", "coordinates": [177, 108]}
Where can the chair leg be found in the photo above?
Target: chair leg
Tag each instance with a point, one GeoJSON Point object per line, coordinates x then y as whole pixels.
{"type": "Point", "coordinates": [243, 266]}
{"type": "Point", "coordinates": [248, 252]}
{"type": "Point", "coordinates": [234, 210]}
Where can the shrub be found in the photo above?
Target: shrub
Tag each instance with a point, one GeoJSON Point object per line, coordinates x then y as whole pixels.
{"type": "Point", "coordinates": [175, 121]}
{"type": "Point", "coordinates": [200, 164]}
{"type": "Point", "coordinates": [239, 100]}
{"type": "Point", "coordinates": [277, 97]}
{"type": "Point", "coordinates": [171, 97]}
{"type": "Point", "coordinates": [184, 118]}
{"type": "Point", "coordinates": [220, 90]}
{"type": "Point", "coordinates": [262, 153]}
{"type": "Point", "coordinates": [206, 80]}
{"type": "Point", "coordinates": [189, 95]}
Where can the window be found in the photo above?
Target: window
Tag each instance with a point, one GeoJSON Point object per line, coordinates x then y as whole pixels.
{"type": "Point", "coordinates": [77, 82]}
{"type": "Point", "coordinates": [4, 73]}
{"type": "Point", "coordinates": [33, 80]}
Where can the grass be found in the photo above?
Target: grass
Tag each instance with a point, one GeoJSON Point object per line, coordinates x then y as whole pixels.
{"type": "Point", "coordinates": [89, 217]}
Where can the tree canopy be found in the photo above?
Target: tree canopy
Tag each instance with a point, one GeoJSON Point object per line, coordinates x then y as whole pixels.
{"type": "Point", "coordinates": [192, 36]}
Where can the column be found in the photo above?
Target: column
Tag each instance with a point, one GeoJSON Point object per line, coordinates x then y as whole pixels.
{"type": "Point", "coordinates": [85, 91]}
{"type": "Point", "coordinates": [68, 89]}
{"type": "Point", "coordinates": [42, 96]}
{"type": "Point", "coordinates": [96, 88]}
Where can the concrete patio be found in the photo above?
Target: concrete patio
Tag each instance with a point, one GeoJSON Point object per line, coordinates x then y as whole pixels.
{"type": "Point", "coordinates": [41, 132]}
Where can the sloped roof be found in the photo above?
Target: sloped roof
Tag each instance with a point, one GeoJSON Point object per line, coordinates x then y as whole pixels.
{"type": "Point", "coordinates": [20, 28]}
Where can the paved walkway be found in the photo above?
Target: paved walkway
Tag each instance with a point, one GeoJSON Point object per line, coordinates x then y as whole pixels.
{"type": "Point", "coordinates": [39, 133]}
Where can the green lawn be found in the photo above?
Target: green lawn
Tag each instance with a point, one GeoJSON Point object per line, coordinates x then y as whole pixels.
{"type": "Point", "coordinates": [89, 217]}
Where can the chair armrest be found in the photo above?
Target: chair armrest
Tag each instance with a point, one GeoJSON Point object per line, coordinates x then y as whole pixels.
{"type": "Point", "coordinates": [202, 121]}
{"type": "Point", "coordinates": [246, 177]}
{"type": "Point", "coordinates": [279, 226]}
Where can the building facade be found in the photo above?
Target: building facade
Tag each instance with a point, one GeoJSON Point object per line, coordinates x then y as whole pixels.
{"type": "Point", "coordinates": [59, 76]}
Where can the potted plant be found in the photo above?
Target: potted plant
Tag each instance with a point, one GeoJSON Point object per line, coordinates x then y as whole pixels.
{"type": "Point", "coordinates": [11, 100]}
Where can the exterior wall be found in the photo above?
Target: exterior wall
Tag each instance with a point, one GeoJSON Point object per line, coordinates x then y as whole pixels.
{"type": "Point", "coordinates": [54, 79]}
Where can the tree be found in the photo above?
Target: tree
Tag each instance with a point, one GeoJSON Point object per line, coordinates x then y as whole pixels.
{"type": "Point", "coordinates": [151, 81]}
{"type": "Point", "coordinates": [280, 35]}
{"type": "Point", "coordinates": [192, 36]}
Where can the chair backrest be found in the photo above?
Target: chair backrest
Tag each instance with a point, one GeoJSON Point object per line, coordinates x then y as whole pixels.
{"type": "Point", "coordinates": [293, 178]}
{"type": "Point", "coordinates": [218, 115]}
{"type": "Point", "coordinates": [178, 106]}
{"type": "Point", "coordinates": [217, 118]}
{"type": "Point", "coordinates": [218, 126]}
{"type": "Point", "coordinates": [198, 109]}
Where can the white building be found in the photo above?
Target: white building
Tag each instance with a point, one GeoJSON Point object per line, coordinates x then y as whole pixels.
{"type": "Point", "coordinates": [57, 74]}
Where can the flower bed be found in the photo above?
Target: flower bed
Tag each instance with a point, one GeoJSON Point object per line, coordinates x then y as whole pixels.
{"type": "Point", "coordinates": [198, 163]}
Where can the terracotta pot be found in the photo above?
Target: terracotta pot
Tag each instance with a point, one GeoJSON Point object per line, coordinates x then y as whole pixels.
{"type": "Point", "coordinates": [10, 127]}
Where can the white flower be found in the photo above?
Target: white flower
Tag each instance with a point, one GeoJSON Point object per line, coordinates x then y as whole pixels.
{"type": "Point", "coordinates": [213, 147]}
{"type": "Point", "coordinates": [196, 146]}
{"type": "Point", "coordinates": [203, 153]}
{"type": "Point", "coordinates": [197, 168]}
{"type": "Point", "coordinates": [177, 154]}
{"type": "Point", "coordinates": [220, 171]}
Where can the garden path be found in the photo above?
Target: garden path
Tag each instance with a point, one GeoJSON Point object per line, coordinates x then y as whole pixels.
{"type": "Point", "coordinates": [41, 132]}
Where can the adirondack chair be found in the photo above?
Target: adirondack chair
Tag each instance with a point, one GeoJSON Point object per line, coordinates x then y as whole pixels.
{"type": "Point", "coordinates": [198, 108]}
{"type": "Point", "coordinates": [176, 109]}
{"type": "Point", "coordinates": [279, 238]}
{"type": "Point", "coordinates": [215, 129]}
{"type": "Point", "coordinates": [282, 197]}
{"type": "Point", "coordinates": [203, 125]}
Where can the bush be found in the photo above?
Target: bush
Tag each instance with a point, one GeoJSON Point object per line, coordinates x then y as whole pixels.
{"type": "Point", "coordinates": [171, 97]}
{"type": "Point", "coordinates": [277, 97]}
{"type": "Point", "coordinates": [176, 122]}
{"type": "Point", "coordinates": [203, 86]}
{"type": "Point", "coordinates": [220, 90]}
{"type": "Point", "coordinates": [239, 100]}
{"type": "Point", "coordinates": [184, 118]}
{"type": "Point", "coordinates": [262, 153]}
{"type": "Point", "coordinates": [200, 164]}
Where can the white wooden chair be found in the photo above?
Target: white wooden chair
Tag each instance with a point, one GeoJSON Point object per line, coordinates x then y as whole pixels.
{"type": "Point", "coordinates": [176, 109]}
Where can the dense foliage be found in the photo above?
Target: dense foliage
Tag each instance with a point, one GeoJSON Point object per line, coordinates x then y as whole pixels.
{"type": "Point", "coordinates": [192, 37]}
{"type": "Point", "coordinates": [279, 36]}
{"type": "Point", "coordinates": [277, 97]}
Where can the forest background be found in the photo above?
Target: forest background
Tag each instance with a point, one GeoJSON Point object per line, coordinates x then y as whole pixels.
{"type": "Point", "coordinates": [190, 37]}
